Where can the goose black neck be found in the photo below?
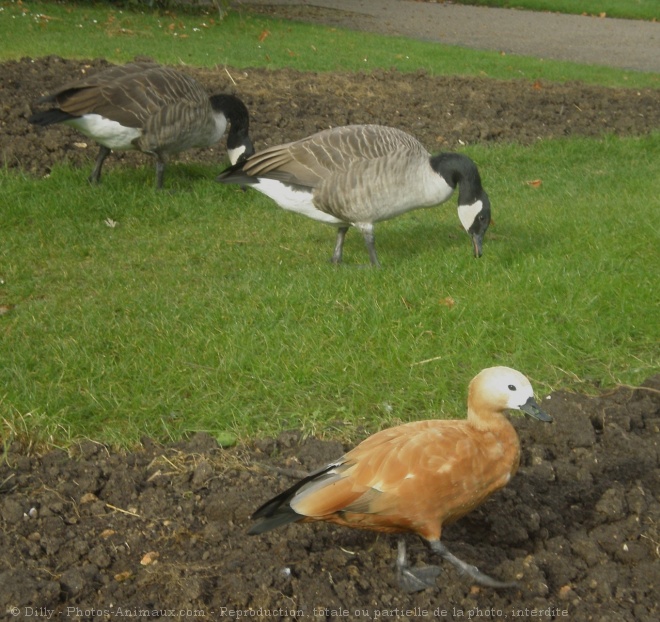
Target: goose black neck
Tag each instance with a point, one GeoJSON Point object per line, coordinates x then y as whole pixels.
{"type": "Point", "coordinates": [459, 170]}
{"type": "Point", "coordinates": [234, 109]}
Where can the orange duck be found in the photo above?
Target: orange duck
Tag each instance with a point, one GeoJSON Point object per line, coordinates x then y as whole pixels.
{"type": "Point", "coordinates": [419, 476]}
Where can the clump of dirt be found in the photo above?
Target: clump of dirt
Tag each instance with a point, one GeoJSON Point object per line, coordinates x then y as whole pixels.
{"type": "Point", "coordinates": [444, 112]}
{"type": "Point", "coordinates": [93, 534]}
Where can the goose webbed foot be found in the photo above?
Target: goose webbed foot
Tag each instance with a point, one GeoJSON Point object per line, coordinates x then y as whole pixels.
{"type": "Point", "coordinates": [467, 569]}
{"type": "Point", "coordinates": [414, 579]}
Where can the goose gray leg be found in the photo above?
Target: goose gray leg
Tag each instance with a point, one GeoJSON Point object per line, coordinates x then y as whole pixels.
{"type": "Point", "coordinates": [414, 579]}
{"type": "Point", "coordinates": [367, 230]}
{"type": "Point", "coordinates": [339, 245]}
{"type": "Point", "coordinates": [95, 177]}
{"type": "Point", "coordinates": [160, 172]}
{"type": "Point", "coordinates": [471, 571]}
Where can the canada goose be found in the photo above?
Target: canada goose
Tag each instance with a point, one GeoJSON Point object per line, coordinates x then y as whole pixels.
{"type": "Point", "coordinates": [361, 174]}
{"type": "Point", "coordinates": [419, 476]}
{"type": "Point", "coordinates": [146, 107]}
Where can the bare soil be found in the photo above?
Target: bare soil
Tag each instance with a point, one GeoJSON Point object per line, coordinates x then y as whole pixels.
{"type": "Point", "coordinates": [159, 533]}
{"type": "Point", "coordinates": [444, 112]}
{"type": "Point", "coordinates": [93, 534]}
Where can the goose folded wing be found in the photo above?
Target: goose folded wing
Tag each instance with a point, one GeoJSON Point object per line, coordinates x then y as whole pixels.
{"type": "Point", "coordinates": [288, 163]}
{"type": "Point", "coordinates": [169, 86]}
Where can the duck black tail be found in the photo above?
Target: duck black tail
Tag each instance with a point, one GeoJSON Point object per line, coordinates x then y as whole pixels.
{"type": "Point", "coordinates": [277, 511]}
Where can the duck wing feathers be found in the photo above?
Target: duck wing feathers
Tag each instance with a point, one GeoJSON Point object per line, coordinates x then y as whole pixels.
{"type": "Point", "coordinates": [414, 477]}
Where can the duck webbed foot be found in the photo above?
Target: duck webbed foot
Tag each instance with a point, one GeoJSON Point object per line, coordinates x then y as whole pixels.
{"type": "Point", "coordinates": [414, 579]}
{"type": "Point", "coordinates": [467, 569]}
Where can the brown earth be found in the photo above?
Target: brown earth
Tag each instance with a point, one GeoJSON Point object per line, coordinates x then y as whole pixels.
{"type": "Point", "coordinates": [95, 534]}
{"type": "Point", "coordinates": [92, 534]}
{"type": "Point", "coordinates": [444, 112]}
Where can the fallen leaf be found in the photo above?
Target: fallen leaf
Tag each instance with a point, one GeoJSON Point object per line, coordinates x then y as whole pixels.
{"type": "Point", "coordinates": [264, 34]}
{"type": "Point", "coordinates": [534, 183]}
{"type": "Point", "coordinates": [564, 591]}
{"type": "Point", "coordinates": [106, 533]}
{"type": "Point", "coordinates": [448, 302]}
{"type": "Point", "coordinates": [149, 558]}
{"type": "Point", "coordinates": [537, 85]}
{"type": "Point", "coordinates": [122, 576]}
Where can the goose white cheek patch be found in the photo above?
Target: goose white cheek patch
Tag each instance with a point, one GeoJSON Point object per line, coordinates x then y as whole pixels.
{"type": "Point", "coordinates": [220, 127]}
{"type": "Point", "coordinates": [235, 153]}
{"type": "Point", "coordinates": [467, 213]}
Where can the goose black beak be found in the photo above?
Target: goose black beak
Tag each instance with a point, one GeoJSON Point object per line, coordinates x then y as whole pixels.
{"type": "Point", "coordinates": [477, 243]}
{"type": "Point", "coordinates": [531, 408]}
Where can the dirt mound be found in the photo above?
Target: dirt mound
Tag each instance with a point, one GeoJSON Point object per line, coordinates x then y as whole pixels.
{"type": "Point", "coordinates": [96, 534]}
{"type": "Point", "coordinates": [444, 112]}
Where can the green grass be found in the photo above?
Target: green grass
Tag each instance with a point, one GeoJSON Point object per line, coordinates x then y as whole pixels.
{"type": "Point", "coordinates": [627, 9]}
{"type": "Point", "coordinates": [211, 309]}
{"type": "Point", "coordinates": [37, 29]}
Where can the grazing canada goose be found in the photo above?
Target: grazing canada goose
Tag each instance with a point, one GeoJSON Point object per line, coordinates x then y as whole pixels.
{"type": "Point", "coordinates": [361, 174]}
{"type": "Point", "coordinates": [146, 107]}
{"type": "Point", "coordinates": [419, 476]}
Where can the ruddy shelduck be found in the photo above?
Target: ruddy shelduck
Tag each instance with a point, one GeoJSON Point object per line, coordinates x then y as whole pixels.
{"type": "Point", "coordinates": [419, 476]}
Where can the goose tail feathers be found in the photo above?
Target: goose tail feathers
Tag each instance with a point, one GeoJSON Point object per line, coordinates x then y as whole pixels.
{"type": "Point", "coordinates": [48, 117]}
{"type": "Point", "coordinates": [235, 174]}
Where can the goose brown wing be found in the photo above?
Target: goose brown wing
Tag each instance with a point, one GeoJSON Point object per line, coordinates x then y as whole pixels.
{"type": "Point", "coordinates": [97, 79]}
{"type": "Point", "coordinates": [290, 163]}
{"type": "Point", "coordinates": [139, 96]}
{"type": "Point", "coordinates": [311, 161]}
{"type": "Point", "coordinates": [129, 94]}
